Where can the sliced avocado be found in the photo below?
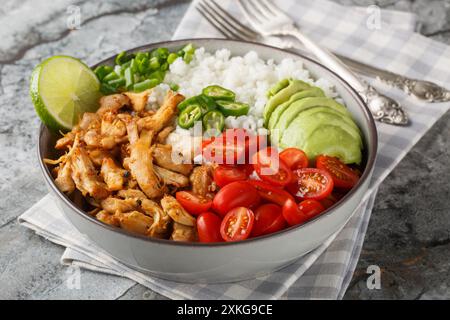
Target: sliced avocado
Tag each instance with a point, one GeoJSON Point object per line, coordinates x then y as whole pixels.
{"type": "Point", "coordinates": [309, 93]}
{"type": "Point", "coordinates": [283, 95]}
{"type": "Point", "coordinates": [295, 108]}
{"type": "Point", "coordinates": [327, 139]}
{"type": "Point", "coordinates": [309, 119]}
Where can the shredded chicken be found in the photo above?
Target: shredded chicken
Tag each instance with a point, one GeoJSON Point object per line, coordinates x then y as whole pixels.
{"type": "Point", "coordinates": [117, 159]}
{"type": "Point", "coordinates": [201, 180]}
{"type": "Point", "coordinates": [163, 158]}
{"type": "Point", "coordinates": [174, 209]}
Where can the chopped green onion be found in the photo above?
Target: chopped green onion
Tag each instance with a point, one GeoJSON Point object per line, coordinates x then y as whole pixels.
{"type": "Point", "coordinates": [129, 78]}
{"type": "Point", "coordinates": [154, 63]}
{"type": "Point", "coordinates": [123, 57]}
{"type": "Point", "coordinates": [165, 66]}
{"type": "Point", "coordinates": [172, 57]}
{"type": "Point", "coordinates": [189, 116]}
{"type": "Point", "coordinates": [107, 89]}
{"type": "Point", "coordinates": [117, 83]}
{"type": "Point", "coordinates": [188, 57]}
{"type": "Point", "coordinates": [146, 84]}
{"type": "Point", "coordinates": [144, 65]}
{"type": "Point", "coordinates": [134, 65]}
{"type": "Point", "coordinates": [111, 76]}
{"type": "Point", "coordinates": [230, 108]}
{"type": "Point", "coordinates": [102, 71]}
{"type": "Point", "coordinates": [174, 86]}
{"type": "Point", "coordinates": [219, 93]}
{"type": "Point", "coordinates": [159, 75]}
{"type": "Point", "coordinates": [189, 48]}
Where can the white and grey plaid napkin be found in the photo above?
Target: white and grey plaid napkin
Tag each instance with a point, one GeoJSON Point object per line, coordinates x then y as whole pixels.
{"type": "Point", "coordinates": [325, 272]}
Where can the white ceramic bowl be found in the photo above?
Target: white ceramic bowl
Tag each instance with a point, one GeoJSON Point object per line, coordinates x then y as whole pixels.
{"type": "Point", "coordinates": [222, 262]}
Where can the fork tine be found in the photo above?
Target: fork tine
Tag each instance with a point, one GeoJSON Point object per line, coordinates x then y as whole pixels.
{"type": "Point", "coordinates": [248, 12]}
{"type": "Point", "coordinates": [229, 18]}
{"type": "Point", "coordinates": [260, 9]}
{"type": "Point", "coordinates": [220, 26]}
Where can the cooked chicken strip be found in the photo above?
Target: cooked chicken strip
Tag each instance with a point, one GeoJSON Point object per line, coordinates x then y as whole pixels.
{"type": "Point", "coordinates": [164, 115]}
{"type": "Point", "coordinates": [163, 158]}
{"type": "Point", "coordinates": [140, 163]}
{"type": "Point", "coordinates": [171, 206]}
{"type": "Point", "coordinates": [92, 138]}
{"type": "Point", "coordinates": [89, 120]}
{"type": "Point", "coordinates": [85, 176]}
{"type": "Point", "coordinates": [64, 180]}
{"type": "Point", "coordinates": [163, 134]}
{"type": "Point", "coordinates": [138, 100]}
{"type": "Point", "coordinates": [161, 220]}
{"type": "Point", "coordinates": [66, 141]}
{"type": "Point", "coordinates": [112, 126]}
{"type": "Point", "coordinates": [201, 180]}
{"type": "Point", "coordinates": [135, 221]}
{"type": "Point", "coordinates": [113, 205]}
{"type": "Point", "coordinates": [97, 156]}
{"type": "Point", "coordinates": [183, 233]}
{"type": "Point", "coordinates": [112, 174]}
{"type": "Point", "coordinates": [108, 218]}
{"type": "Point", "coordinates": [171, 178]}
{"type": "Point", "coordinates": [112, 103]}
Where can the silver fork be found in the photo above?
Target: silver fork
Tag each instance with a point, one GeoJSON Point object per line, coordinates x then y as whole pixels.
{"type": "Point", "coordinates": [383, 108]}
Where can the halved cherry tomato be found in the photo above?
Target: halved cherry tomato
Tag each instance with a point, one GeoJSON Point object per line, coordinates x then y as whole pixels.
{"type": "Point", "coordinates": [268, 219]}
{"type": "Point", "coordinates": [208, 227]}
{"type": "Point", "coordinates": [224, 175]}
{"type": "Point", "coordinates": [294, 158]}
{"type": "Point", "coordinates": [311, 183]}
{"type": "Point", "coordinates": [235, 194]}
{"type": "Point", "coordinates": [271, 168]}
{"type": "Point", "coordinates": [228, 148]}
{"type": "Point", "coordinates": [270, 193]}
{"type": "Point", "coordinates": [193, 203]}
{"type": "Point", "coordinates": [295, 214]}
{"type": "Point", "coordinates": [342, 175]}
{"type": "Point", "coordinates": [237, 224]}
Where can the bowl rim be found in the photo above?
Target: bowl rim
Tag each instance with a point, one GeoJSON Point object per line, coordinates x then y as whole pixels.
{"type": "Point", "coordinates": [372, 153]}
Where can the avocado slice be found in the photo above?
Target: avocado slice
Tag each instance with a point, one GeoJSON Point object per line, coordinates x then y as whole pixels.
{"type": "Point", "coordinates": [308, 93]}
{"type": "Point", "coordinates": [309, 119]}
{"type": "Point", "coordinates": [298, 106]}
{"type": "Point", "coordinates": [335, 142]}
{"type": "Point", "coordinates": [282, 95]}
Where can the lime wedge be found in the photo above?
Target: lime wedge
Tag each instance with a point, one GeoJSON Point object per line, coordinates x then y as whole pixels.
{"type": "Point", "coordinates": [62, 88]}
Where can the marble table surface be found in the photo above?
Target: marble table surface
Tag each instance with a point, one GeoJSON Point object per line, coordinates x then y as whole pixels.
{"type": "Point", "coordinates": [409, 233]}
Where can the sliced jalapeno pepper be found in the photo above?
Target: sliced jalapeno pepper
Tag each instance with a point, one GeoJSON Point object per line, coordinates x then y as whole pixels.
{"type": "Point", "coordinates": [219, 93]}
{"type": "Point", "coordinates": [206, 103]}
{"type": "Point", "coordinates": [189, 101]}
{"type": "Point", "coordinates": [234, 109]}
{"type": "Point", "coordinates": [214, 120]}
{"type": "Point", "coordinates": [189, 115]}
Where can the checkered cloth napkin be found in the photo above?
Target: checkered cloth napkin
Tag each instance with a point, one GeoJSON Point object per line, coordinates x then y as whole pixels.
{"type": "Point", "coordinates": [325, 272]}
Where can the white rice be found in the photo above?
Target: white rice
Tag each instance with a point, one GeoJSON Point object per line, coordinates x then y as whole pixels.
{"type": "Point", "coordinates": [249, 77]}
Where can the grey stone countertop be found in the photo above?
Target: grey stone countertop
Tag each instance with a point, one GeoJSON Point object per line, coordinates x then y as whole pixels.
{"type": "Point", "coordinates": [408, 235]}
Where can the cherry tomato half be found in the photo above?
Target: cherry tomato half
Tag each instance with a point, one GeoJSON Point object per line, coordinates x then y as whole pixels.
{"type": "Point", "coordinates": [343, 176]}
{"type": "Point", "coordinates": [268, 219]}
{"type": "Point", "coordinates": [194, 204]}
{"type": "Point", "coordinates": [270, 193]}
{"type": "Point", "coordinates": [294, 158]}
{"type": "Point", "coordinates": [208, 227]}
{"type": "Point", "coordinates": [271, 168]}
{"type": "Point", "coordinates": [235, 194]}
{"type": "Point", "coordinates": [237, 224]}
{"type": "Point", "coordinates": [295, 214]}
{"type": "Point", "coordinates": [311, 183]}
{"type": "Point", "coordinates": [224, 175]}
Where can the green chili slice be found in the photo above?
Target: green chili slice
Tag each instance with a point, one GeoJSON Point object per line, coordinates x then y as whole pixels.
{"type": "Point", "coordinates": [235, 109]}
{"type": "Point", "coordinates": [182, 105]}
{"type": "Point", "coordinates": [219, 93]}
{"type": "Point", "coordinates": [214, 120]}
{"type": "Point", "coordinates": [206, 103]}
{"type": "Point", "coordinates": [189, 115]}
